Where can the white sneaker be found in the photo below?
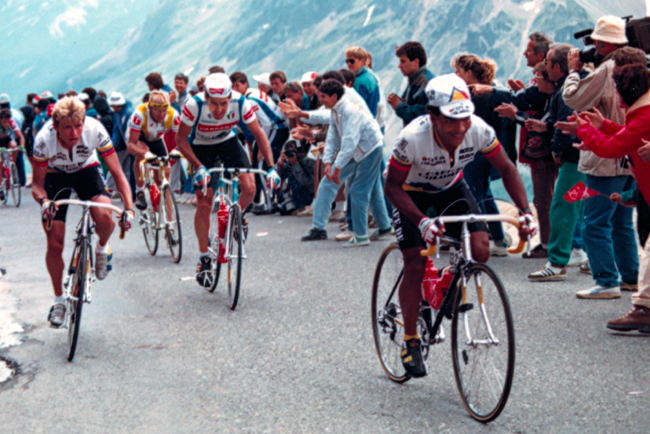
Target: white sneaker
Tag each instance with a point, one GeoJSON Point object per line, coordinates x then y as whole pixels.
{"type": "Point", "coordinates": [345, 236]}
{"type": "Point", "coordinates": [578, 257]}
{"type": "Point", "coordinates": [599, 293]}
{"type": "Point", "coordinates": [496, 250]}
{"type": "Point", "coordinates": [307, 212]}
{"type": "Point", "coordinates": [548, 274]}
{"type": "Point", "coordinates": [337, 216]}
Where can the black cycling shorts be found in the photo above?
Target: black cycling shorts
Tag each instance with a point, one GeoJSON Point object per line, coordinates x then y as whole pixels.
{"type": "Point", "coordinates": [231, 153]}
{"type": "Point", "coordinates": [4, 142]}
{"type": "Point", "coordinates": [432, 205]}
{"type": "Point", "coordinates": [156, 146]}
{"type": "Point", "coordinates": [87, 182]}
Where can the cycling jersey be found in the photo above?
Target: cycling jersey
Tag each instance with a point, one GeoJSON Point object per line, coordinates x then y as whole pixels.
{"type": "Point", "coordinates": [142, 122]}
{"type": "Point", "coordinates": [48, 151]}
{"type": "Point", "coordinates": [268, 113]}
{"type": "Point", "coordinates": [430, 167]}
{"type": "Point", "coordinates": [206, 130]}
{"type": "Point", "coordinates": [6, 132]}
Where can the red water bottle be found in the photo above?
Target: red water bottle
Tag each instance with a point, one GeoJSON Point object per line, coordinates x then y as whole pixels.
{"type": "Point", "coordinates": [430, 279]}
{"type": "Point", "coordinates": [155, 196]}
{"type": "Point", "coordinates": [441, 288]}
{"type": "Point", "coordinates": [222, 218]}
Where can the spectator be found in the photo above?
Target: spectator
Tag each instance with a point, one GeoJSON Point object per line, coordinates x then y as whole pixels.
{"type": "Point", "coordinates": [278, 80]}
{"type": "Point", "coordinates": [216, 69]}
{"type": "Point", "coordinates": [28, 129]}
{"type": "Point", "coordinates": [412, 63]}
{"type": "Point", "coordinates": [91, 93]}
{"type": "Point", "coordinates": [293, 91]}
{"type": "Point", "coordinates": [608, 229]}
{"type": "Point", "coordinates": [180, 83]}
{"type": "Point", "coordinates": [365, 82]}
{"type": "Point", "coordinates": [264, 83]}
{"type": "Point", "coordinates": [307, 82]}
{"type": "Point", "coordinates": [123, 110]}
{"type": "Point", "coordinates": [298, 170]}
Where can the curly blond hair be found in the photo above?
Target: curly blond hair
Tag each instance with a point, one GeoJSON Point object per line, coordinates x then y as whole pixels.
{"type": "Point", "coordinates": [69, 107]}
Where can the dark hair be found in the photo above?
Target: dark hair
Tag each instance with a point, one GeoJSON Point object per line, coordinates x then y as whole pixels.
{"type": "Point", "coordinates": [279, 75]}
{"type": "Point", "coordinates": [91, 92]}
{"type": "Point", "coordinates": [628, 56]}
{"type": "Point", "coordinates": [181, 76]}
{"type": "Point", "coordinates": [216, 69]}
{"type": "Point", "coordinates": [30, 96]}
{"type": "Point", "coordinates": [334, 75]}
{"type": "Point", "coordinates": [71, 92]}
{"type": "Point", "coordinates": [154, 79]}
{"type": "Point", "coordinates": [102, 94]}
{"type": "Point", "coordinates": [542, 42]}
{"type": "Point", "coordinates": [293, 87]}
{"type": "Point", "coordinates": [238, 77]}
{"type": "Point", "coordinates": [5, 113]}
{"type": "Point", "coordinates": [560, 56]}
{"type": "Point", "coordinates": [318, 81]}
{"type": "Point", "coordinates": [61, 95]}
{"type": "Point", "coordinates": [413, 50]}
{"type": "Point", "coordinates": [433, 110]}
{"type": "Point", "coordinates": [145, 98]}
{"type": "Point", "coordinates": [348, 76]}
{"type": "Point", "coordinates": [331, 87]}
{"type": "Point", "coordinates": [632, 81]}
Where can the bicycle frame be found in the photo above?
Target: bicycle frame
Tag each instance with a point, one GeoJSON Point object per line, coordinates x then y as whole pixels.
{"type": "Point", "coordinates": [84, 235]}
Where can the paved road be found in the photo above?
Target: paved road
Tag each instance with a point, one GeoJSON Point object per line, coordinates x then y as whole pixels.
{"type": "Point", "coordinates": [159, 354]}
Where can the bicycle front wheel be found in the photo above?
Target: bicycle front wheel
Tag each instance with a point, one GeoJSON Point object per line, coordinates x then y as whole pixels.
{"type": "Point", "coordinates": [235, 254]}
{"type": "Point", "coordinates": [149, 224]}
{"type": "Point", "coordinates": [15, 184]}
{"type": "Point", "coordinates": [483, 344]}
{"type": "Point", "coordinates": [387, 320]}
{"type": "Point", "coordinates": [76, 303]}
{"type": "Point", "coordinates": [172, 224]}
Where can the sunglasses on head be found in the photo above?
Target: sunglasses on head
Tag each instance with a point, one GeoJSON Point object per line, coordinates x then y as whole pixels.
{"type": "Point", "coordinates": [350, 61]}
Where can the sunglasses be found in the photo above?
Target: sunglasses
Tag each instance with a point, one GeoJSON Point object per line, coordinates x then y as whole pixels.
{"type": "Point", "coordinates": [350, 61]}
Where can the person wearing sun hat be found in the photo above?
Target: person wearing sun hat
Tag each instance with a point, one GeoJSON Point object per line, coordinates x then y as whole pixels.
{"type": "Point", "coordinates": [608, 229]}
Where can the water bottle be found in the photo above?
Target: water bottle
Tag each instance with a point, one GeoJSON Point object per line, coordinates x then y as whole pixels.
{"type": "Point", "coordinates": [440, 288]}
{"type": "Point", "coordinates": [222, 218]}
{"type": "Point", "coordinates": [155, 196]}
{"type": "Point", "coordinates": [430, 279]}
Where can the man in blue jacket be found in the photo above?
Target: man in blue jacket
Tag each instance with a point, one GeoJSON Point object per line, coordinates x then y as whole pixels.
{"type": "Point", "coordinates": [123, 110]}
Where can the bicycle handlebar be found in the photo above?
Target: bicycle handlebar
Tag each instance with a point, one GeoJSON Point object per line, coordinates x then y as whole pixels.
{"type": "Point", "coordinates": [471, 218]}
{"type": "Point", "coordinates": [16, 149]}
{"type": "Point", "coordinates": [89, 204]}
{"type": "Point", "coordinates": [236, 170]}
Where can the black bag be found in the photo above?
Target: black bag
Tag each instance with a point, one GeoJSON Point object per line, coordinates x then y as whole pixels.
{"type": "Point", "coordinates": [537, 147]}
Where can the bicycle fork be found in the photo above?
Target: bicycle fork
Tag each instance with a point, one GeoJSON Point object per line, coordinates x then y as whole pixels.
{"type": "Point", "coordinates": [491, 340]}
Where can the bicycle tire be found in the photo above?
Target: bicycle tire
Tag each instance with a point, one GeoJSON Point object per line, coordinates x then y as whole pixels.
{"type": "Point", "coordinates": [6, 184]}
{"type": "Point", "coordinates": [15, 184]}
{"type": "Point", "coordinates": [173, 232]}
{"type": "Point", "coordinates": [483, 369]}
{"type": "Point", "coordinates": [387, 321]}
{"type": "Point", "coordinates": [215, 242]}
{"type": "Point", "coordinates": [235, 254]}
{"type": "Point", "coordinates": [76, 306]}
{"type": "Point", "coordinates": [150, 229]}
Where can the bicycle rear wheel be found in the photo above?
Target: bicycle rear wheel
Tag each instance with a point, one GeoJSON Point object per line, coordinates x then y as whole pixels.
{"type": "Point", "coordinates": [76, 304]}
{"type": "Point", "coordinates": [15, 184]}
{"type": "Point", "coordinates": [149, 224]}
{"type": "Point", "coordinates": [172, 224]}
{"type": "Point", "coordinates": [387, 320]}
{"type": "Point", "coordinates": [483, 344]}
{"type": "Point", "coordinates": [235, 254]}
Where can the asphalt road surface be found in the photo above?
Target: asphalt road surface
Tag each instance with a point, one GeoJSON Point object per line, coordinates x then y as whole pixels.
{"type": "Point", "coordinates": [159, 354]}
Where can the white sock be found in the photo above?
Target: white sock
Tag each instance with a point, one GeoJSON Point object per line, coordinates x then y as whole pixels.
{"type": "Point", "coordinates": [139, 189]}
{"type": "Point", "coordinates": [101, 249]}
{"type": "Point", "coordinates": [203, 255]}
{"type": "Point", "coordinates": [578, 250]}
{"type": "Point", "coordinates": [340, 206]}
{"type": "Point", "coordinates": [59, 300]}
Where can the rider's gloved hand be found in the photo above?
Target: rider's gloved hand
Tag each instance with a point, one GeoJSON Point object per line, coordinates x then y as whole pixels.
{"type": "Point", "coordinates": [46, 209]}
{"type": "Point", "coordinates": [527, 225]}
{"type": "Point", "coordinates": [273, 179]}
{"type": "Point", "coordinates": [430, 230]}
{"type": "Point", "coordinates": [150, 156]}
{"type": "Point", "coordinates": [201, 176]}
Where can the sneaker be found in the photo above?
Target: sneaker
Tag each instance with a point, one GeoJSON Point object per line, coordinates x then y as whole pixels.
{"type": "Point", "coordinates": [345, 236]}
{"type": "Point", "coordinates": [2, 195]}
{"type": "Point", "coordinates": [56, 315]}
{"type": "Point", "coordinates": [585, 268]}
{"type": "Point", "coordinates": [380, 233]}
{"type": "Point", "coordinates": [140, 201]}
{"type": "Point", "coordinates": [499, 251]}
{"type": "Point", "coordinates": [548, 274]}
{"type": "Point", "coordinates": [578, 257]}
{"type": "Point", "coordinates": [337, 216]}
{"type": "Point", "coordinates": [629, 287]}
{"type": "Point", "coordinates": [203, 275]}
{"type": "Point", "coordinates": [307, 212]}
{"type": "Point", "coordinates": [103, 264]}
{"type": "Point", "coordinates": [357, 242]}
{"type": "Point", "coordinates": [636, 319]}
{"type": "Point", "coordinates": [412, 358]}
{"type": "Point", "coordinates": [297, 211]}
{"type": "Point", "coordinates": [538, 252]}
{"type": "Point", "coordinates": [599, 293]}
{"type": "Point", "coordinates": [315, 235]}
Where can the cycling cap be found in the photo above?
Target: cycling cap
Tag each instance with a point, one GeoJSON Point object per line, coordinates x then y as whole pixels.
{"type": "Point", "coordinates": [47, 94]}
{"type": "Point", "coordinates": [4, 98]}
{"type": "Point", "coordinates": [264, 78]}
{"type": "Point", "coordinates": [218, 85]}
{"type": "Point", "coordinates": [451, 95]}
{"type": "Point", "coordinates": [308, 77]}
{"type": "Point", "coordinates": [116, 98]}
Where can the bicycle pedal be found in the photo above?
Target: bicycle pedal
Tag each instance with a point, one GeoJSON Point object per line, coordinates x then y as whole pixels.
{"type": "Point", "coordinates": [465, 307]}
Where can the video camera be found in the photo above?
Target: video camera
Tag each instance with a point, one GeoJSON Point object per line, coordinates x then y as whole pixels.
{"type": "Point", "coordinates": [637, 32]}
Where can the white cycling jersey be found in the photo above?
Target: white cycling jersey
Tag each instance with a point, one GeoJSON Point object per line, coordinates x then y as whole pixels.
{"type": "Point", "coordinates": [430, 167]}
{"type": "Point", "coordinates": [48, 151]}
{"type": "Point", "coordinates": [206, 130]}
{"type": "Point", "coordinates": [142, 122]}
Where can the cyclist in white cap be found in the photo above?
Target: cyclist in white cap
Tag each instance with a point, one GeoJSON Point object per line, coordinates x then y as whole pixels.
{"type": "Point", "coordinates": [425, 176]}
{"type": "Point", "coordinates": [206, 138]}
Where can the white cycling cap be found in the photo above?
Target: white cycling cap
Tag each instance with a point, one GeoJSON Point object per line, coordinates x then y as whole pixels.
{"type": "Point", "coordinates": [264, 78]}
{"type": "Point", "coordinates": [451, 95]}
{"type": "Point", "coordinates": [218, 85]}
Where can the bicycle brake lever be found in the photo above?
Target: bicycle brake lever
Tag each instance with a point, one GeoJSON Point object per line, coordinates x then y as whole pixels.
{"type": "Point", "coordinates": [123, 225]}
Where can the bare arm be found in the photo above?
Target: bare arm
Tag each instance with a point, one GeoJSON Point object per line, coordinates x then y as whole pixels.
{"type": "Point", "coordinates": [398, 197]}
{"type": "Point", "coordinates": [38, 184]}
{"type": "Point", "coordinates": [511, 179]}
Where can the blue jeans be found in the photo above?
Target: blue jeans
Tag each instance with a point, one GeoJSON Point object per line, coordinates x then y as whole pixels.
{"type": "Point", "coordinates": [365, 191]}
{"type": "Point", "coordinates": [389, 206]}
{"type": "Point", "coordinates": [608, 233]}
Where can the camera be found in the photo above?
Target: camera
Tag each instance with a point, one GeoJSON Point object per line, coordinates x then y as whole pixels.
{"type": "Point", "coordinates": [637, 32]}
{"type": "Point", "coordinates": [290, 154]}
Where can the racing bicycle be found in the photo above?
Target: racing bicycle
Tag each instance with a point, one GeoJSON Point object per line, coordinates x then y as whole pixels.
{"type": "Point", "coordinates": [162, 213]}
{"type": "Point", "coordinates": [81, 271]}
{"type": "Point", "coordinates": [9, 179]}
{"type": "Point", "coordinates": [482, 329]}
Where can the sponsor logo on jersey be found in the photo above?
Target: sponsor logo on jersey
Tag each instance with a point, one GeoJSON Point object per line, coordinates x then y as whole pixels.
{"type": "Point", "coordinates": [61, 156]}
{"type": "Point", "coordinates": [249, 115]}
{"type": "Point", "coordinates": [137, 121]}
{"type": "Point", "coordinates": [177, 121]}
{"type": "Point", "coordinates": [230, 116]}
{"type": "Point", "coordinates": [402, 144]}
{"type": "Point", "coordinates": [203, 128]}
{"type": "Point", "coordinates": [432, 161]}
{"type": "Point", "coordinates": [188, 114]}
{"type": "Point", "coordinates": [458, 95]}
{"type": "Point", "coordinates": [218, 91]}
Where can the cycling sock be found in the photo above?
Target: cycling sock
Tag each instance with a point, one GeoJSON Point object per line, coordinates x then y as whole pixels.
{"type": "Point", "coordinates": [59, 300]}
{"type": "Point", "coordinates": [203, 255]}
{"type": "Point", "coordinates": [139, 189]}
{"type": "Point", "coordinates": [101, 249]}
{"type": "Point", "coordinates": [409, 337]}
